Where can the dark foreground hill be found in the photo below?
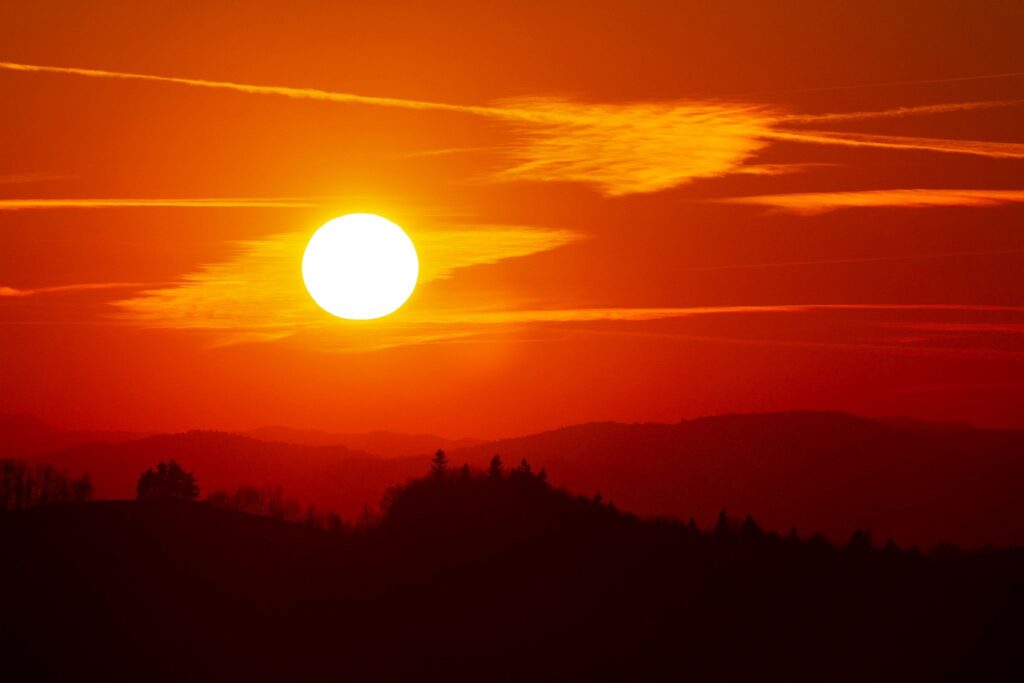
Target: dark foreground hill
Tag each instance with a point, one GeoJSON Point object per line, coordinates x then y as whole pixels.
{"type": "Point", "coordinates": [474, 578]}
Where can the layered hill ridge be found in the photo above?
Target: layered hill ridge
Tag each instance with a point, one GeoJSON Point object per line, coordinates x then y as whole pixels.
{"type": "Point", "coordinates": [818, 471]}
{"type": "Point", "coordinates": [919, 483]}
{"type": "Point", "coordinates": [383, 443]}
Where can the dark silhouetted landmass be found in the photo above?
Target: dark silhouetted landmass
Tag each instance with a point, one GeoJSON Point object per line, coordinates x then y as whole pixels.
{"type": "Point", "coordinates": [24, 485]}
{"type": "Point", "coordinates": [22, 436]}
{"type": "Point", "coordinates": [473, 576]}
{"type": "Point", "coordinates": [332, 477]}
{"type": "Point", "coordinates": [830, 472]}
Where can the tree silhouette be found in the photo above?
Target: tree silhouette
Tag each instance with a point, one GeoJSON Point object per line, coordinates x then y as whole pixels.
{"type": "Point", "coordinates": [494, 471]}
{"type": "Point", "coordinates": [23, 485]}
{"type": "Point", "coordinates": [751, 530]}
{"type": "Point", "coordinates": [524, 468]}
{"type": "Point", "coordinates": [168, 481]}
{"type": "Point", "coordinates": [860, 541]}
{"type": "Point", "coordinates": [723, 527]}
{"type": "Point", "coordinates": [439, 464]}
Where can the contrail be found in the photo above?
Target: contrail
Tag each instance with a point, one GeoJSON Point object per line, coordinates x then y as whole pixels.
{"type": "Point", "coordinates": [622, 148]}
{"type": "Point", "coordinates": [900, 112]}
{"type": "Point", "coordinates": [984, 148]}
{"type": "Point", "coordinates": [284, 91]}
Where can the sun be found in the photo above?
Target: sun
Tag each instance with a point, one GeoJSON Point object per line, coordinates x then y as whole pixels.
{"type": "Point", "coordinates": [360, 266]}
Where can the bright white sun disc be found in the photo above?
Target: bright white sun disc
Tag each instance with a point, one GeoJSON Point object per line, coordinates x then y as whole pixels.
{"type": "Point", "coordinates": [360, 266]}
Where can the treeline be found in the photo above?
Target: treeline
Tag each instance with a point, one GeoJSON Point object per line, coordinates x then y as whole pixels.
{"type": "Point", "coordinates": [269, 501]}
{"type": "Point", "coordinates": [25, 485]}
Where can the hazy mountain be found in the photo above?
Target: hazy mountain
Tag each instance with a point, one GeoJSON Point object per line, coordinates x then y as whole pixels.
{"type": "Point", "coordinates": [331, 476]}
{"type": "Point", "coordinates": [915, 423]}
{"type": "Point", "coordinates": [818, 471]}
{"type": "Point", "coordinates": [23, 436]}
{"type": "Point", "coordinates": [388, 444]}
{"type": "Point", "coordinates": [826, 472]}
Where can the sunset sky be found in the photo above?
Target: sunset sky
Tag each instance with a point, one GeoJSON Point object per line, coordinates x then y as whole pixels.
{"type": "Point", "coordinates": [623, 211]}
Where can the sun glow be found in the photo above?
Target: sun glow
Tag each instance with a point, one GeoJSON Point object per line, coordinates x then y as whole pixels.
{"type": "Point", "coordinates": [360, 266]}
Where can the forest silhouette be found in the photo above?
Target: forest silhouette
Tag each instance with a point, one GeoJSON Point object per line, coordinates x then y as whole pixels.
{"type": "Point", "coordinates": [920, 483]}
{"type": "Point", "coordinates": [470, 574]}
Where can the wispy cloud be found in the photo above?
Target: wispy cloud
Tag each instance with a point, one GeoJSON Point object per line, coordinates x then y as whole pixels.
{"type": "Point", "coordinates": [204, 203]}
{"type": "Point", "coordinates": [259, 291]}
{"type": "Point", "coordinates": [958, 327]}
{"type": "Point", "coordinates": [633, 148]}
{"type": "Point", "coordinates": [820, 202]}
{"type": "Point", "coordinates": [958, 387]}
{"type": "Point", "coordinates": [467, 326]}
{"type": "Point", "coordinates": [624, 148]}
{"type": "Point", "coordinates": [643, 314]}
{"type": "Point", "coordinates": [24, 178]}
{"type": "Point", "coordinates": [15, 292]}
{"type": "Point", "coordinates": [900, 112]}
{"type": "Point", "coordinates": [983, 148]}
{"type": "Point", "coordinates": [865, 259]}
{"type": "Point", "coordinates": [296, 93]}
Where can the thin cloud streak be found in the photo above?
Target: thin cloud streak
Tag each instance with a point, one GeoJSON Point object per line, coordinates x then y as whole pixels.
{"type": "Point", "coordinates": [25, 178]}
{"type": "Point", "coordinates": [645, 314]}
{"type": "Point", "coordinates": [866, 259]}
{"type": "Point", "coordinates": [296, 93]}
{"type": "Point", "coordinates": [462, 327]}
{"type": "Point", "coordinates": [623, 148]}
{"type": "Point", "coordinates": [984, 148]}
{"type": "Point", "coordinates": [120, 203]}
{"type": "Point", "coordinates": [809, 203]}
{"type": "Point", "coordinates": [15, 292]}
{"type": "Point", "coordinates": [900, 112]}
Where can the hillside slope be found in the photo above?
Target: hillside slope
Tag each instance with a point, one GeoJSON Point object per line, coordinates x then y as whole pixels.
{"type": "Point", "coordinates": [817, 471]}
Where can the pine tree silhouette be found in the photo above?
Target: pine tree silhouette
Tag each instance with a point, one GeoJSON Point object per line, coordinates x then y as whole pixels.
{"type": "Point", "coordinates": [495, 470]}
{"type": "Point", "coordinates": [723, 527]}
{"type": "Point", "coordinates": [439, 464]}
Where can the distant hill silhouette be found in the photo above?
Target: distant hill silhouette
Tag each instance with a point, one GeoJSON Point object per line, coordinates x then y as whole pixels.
{"type": "Point", "coordinates": [915, 423]}
{"type": "Point", "coordinates": [387, 444]}
{"type": "Point", "coordinates": [470, 577]}
{"type": "Point", "coordinates": [817, 471]}
{"type": "Point", "coordinates": [831, 472]}
{"type": "Point", "coordinates": [331, 477]}
{"type": "Point", "coordinates": [22, 436]}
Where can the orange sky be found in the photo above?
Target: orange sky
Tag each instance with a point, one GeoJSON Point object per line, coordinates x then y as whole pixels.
{"type": "Point", "coordinates": [632, 211]}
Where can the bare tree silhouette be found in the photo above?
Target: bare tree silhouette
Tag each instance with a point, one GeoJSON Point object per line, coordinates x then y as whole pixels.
{"type": "Point", "coordinates": [23, 485]}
